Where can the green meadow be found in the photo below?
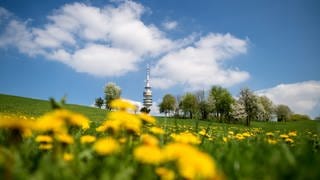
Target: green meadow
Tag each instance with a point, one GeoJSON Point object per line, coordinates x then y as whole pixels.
{"type": "Point", "coordinates": [265, 150]}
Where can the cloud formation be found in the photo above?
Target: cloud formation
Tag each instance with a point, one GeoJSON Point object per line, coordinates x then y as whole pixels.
{"type": "Point", "coordinates": [170, 25]}
{"type": "Point", "coordinates": [200, 65]}
{"type": "Point", "coordinates": [112, 40]}
{"type": "Point", "coordinates": [302, 97]}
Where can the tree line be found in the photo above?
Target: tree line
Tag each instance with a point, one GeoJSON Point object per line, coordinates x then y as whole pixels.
{"type": "Point", "coordinates": [218, 104]}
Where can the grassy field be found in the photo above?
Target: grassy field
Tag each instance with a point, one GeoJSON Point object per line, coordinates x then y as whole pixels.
{"type": "Point", "coordinates": [123, 148]}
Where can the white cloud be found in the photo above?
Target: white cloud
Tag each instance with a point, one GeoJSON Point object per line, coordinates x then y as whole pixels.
{"type": "Point", "coordinates": [200, 66]}
{"type": "Point", "coordinates": [104, 61]}
{"type": "Point", "coordinates": [170, 25]}
{"type": "Point", "coordinates": [302, 97]}
{"type": "Point", "coordinates": [106, 41]}
{"type": "Point", "coordinates": [112, 40]}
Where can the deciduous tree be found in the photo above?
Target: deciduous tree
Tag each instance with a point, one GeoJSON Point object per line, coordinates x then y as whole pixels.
{"type": "Point", "coordinates": [112, 92]}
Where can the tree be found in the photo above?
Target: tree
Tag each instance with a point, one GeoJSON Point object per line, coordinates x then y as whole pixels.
{"type": "Point", "coordinates": [249, 101]}
{"type": "Point", "coordinates": [283, 112]}
{"type": "Point", "coordinates": [317, 118]}
{"type": "Point", "coordinates": [220, 101]}
{"type": "Point", "coordinates": [189, 104]}
{"type": "Point", "coordinates": [99, 102]}
{"type": "Point", "coordinates": [168, 104]}
{"type": "Point", "coordinates": [203, 105]}
{"type": "Point", "coordinates": [238, 111]}
{"type": "Point", "coordinates": [112, 92]}
{"type": "Point", "coordinates": [299, 117]}
{"type": "Point", "coordinates": [268, 108]}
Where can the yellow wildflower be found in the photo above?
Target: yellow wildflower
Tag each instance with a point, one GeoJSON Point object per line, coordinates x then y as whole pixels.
{"type": "Point", "coordinates": [289, 140]}
{"type": "Point", "coordinates": [293, 133]}
{"type": "Point", "coordinates": [44, 139]}
{"type": "Point", "coordinates": [156, 130]}
{"type": "Point", "coordinates": [202, 132]}
{"type": "Point", "coordinates": [20, 123]}
{"type": "Point", "coordinates": [147, 118]}
{"type": "Point", "coordinates": [165, 174]}
{"type": "Point", "coordinates": [45, 146]}
{"type": "Point", "coordinates": [186, 137]}
{"type": "Point", "coordinates": [125, 121]}
{"type": "Point", "coordinates": [57, 121]}
{"type": "Point", "coordinates": [272, 141]}
{"type": "Point", "coordinates": [239, 136]}
{"type": "Point", "coordinates": [191, 162]}
{"type": "Point", "coordinates": [270, 134]}
{"type": "Point", "coordinates": [67, 156]}
{"type": "Point", "coordinates": [87, 139]}
{"type": "Point", "coordinates": [197, 166]}
{"type": "Point", "coordinates": [230, 132]}
{"type": "Point", "coordinates": [122, 140]}
{"type": "Point", "coordinates": [149, 140]}
{"type": "Point", "coordinates": [148, 154]}
{"type": "Point", "coordinates": [106, 146]}
{"type": "Point", "coordinates": [123, 105]}
{"type": "Point", "coordinates": [246, 134]}
{"type": "Point", "coordinates": [284, 136]}
{"type": "Point", "coordinates": [65, 138]}
{"type": "Point", "coordinates": [225, 139]}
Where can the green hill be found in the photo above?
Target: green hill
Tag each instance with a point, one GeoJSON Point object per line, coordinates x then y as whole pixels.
{"type": "Point", "coordinates": [36, 107]}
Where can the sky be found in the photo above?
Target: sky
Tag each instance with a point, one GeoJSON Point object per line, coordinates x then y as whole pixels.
{"type": "Point", "coordinates": [74, 48]}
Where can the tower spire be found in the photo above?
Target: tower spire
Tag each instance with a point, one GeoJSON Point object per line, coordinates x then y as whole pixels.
{"type": "Point", "coordinates": [147, 93]}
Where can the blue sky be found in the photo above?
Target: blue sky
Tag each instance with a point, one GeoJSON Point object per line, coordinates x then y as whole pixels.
{"type": "Point", "coordinates": [73, 48]}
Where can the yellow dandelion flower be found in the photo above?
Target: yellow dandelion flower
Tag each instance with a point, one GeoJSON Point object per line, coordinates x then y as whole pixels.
{"type": "Point", "coordinates": [122, 140]}
{"type": "Point", "coordinates": [49, 123]}
{"type": "Point", "coordinates": [147, 118]}
{"type": "Point", "coordinates": [65, 138]}
{"type": "Point", "coordinates": [198, 165]}
{"type": "Point", "coordinates": [67, 157]}
{"type": "Point", "coordinates": [16, 122]}
{"type": "Point", "coordinates": [289, 140]}
{"type": "Point", "coordinates": [148, 154]}
{"type": "Point", "coordinates": [44, 139]}
{"type": "Point", "coordinates": [156, 130]}
{"type": "Point", "coordinates": [292, 133]}
{"type": "Point", "coordinates": [269, 134]}
{"type": "Point", "coordinates": [106, 146]}
{"type": "Point", "coordinates": [45, 146]}
{"type": "Point", "coordinates": [57, 121]}
{"type": "Point", "coordinates": [272, 141]}
{"type": "Point", "coordinates": [125, 121]}
{"type": "Point", "coordinates": [122, 104]}
{"type": "Point", "coordinates": [173, 151]}
{"type": "Point", "coordinates": [186, 137]}
{"type": "Point", "coordinates": [202, 132]}
{"type": "Point", "coordinates": [87, 139]}
{"type": "Point", "coordinates": [149, 140]}
{"type": "Point", "coordinates": [284, 136]}
{"type": "Point", "coordinates": [230, 132]}
{"type": "Point", "coordinates": [246, 134]}
{"type": "Point", "coordinates": [165, 174]}
{"type": "Point", "coordinates": [225, 139]}
{"type": "Point", "coordinates": [239, 136]}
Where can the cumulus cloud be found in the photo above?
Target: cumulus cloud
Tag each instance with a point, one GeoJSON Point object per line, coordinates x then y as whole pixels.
{"type": "Point", "coordinates": [112, 41]}
{"type": "Point", "coordinates": [106, 41]}
{"type": "Point", "coordinates": [200, 65]}
{"type": "Point", "coordinates": [302, 97]}
{"type": "Point", "coordinates": [170, 25]}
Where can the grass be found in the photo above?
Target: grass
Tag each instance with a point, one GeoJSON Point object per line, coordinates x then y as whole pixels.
{"type": "Point", "coordinates": [257, 152]}
{"type": "Point", "coordinates": [36, 107]}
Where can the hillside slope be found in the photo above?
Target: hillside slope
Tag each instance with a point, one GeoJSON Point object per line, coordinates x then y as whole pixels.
{"type": "Point", "coordinates": [36, 107]}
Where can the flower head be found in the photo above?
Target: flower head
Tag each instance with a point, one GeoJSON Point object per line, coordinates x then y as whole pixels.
{"type": "Point", "coordinates": [106, 146]}
{"type": "Point", "coordinates": [148, 154]}
{"type": "Point", "coordinates": [87, 139]}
